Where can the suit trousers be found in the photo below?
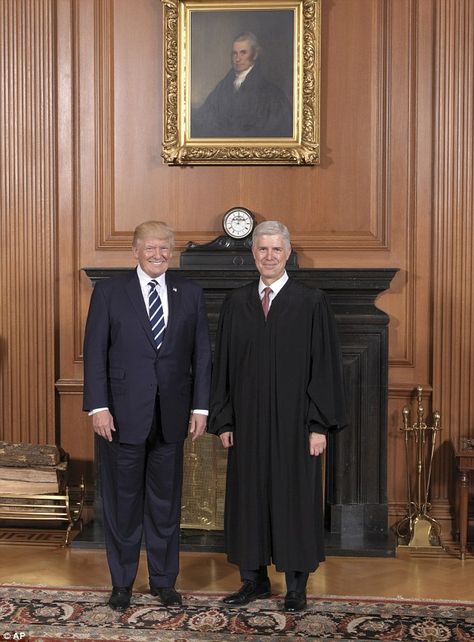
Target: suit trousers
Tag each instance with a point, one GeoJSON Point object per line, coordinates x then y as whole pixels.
{"type": "Point", "coordinates": [141, 495]}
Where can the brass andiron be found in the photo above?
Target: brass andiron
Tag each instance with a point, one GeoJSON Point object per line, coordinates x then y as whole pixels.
{"type": "Point", "coordinates": [417, 529]}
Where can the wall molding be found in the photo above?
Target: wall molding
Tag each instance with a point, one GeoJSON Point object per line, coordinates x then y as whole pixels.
{"type": "Point", "coordinates": [111, 239]}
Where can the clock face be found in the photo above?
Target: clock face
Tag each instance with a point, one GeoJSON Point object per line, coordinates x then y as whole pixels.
{"type": "Point", "coordinates": [238, 222]}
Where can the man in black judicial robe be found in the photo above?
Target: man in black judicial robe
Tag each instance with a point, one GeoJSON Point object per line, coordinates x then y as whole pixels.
{"type": "Point", "coordinates": [245, 104]}
{"type": "Point", "coordinates": [277, 390]}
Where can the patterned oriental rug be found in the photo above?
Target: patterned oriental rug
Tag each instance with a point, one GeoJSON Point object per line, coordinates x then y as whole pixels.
{"type": "Point", "coordinates": [35, 614]}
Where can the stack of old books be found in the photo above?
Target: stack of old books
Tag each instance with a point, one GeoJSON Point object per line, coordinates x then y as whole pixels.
{"type": "Point", "coordinates": [31, 469]}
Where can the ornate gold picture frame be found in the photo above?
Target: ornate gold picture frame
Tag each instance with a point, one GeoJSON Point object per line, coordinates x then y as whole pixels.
{"type": "Point", "coordinates": [241, 82]}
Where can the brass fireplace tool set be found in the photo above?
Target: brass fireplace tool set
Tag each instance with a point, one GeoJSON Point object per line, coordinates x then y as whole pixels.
{"type": "Point", "coordinates": [418, 529]}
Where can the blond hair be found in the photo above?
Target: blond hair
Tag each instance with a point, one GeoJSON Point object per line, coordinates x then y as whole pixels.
{"type": "Point", "coordinates": [154, 229]}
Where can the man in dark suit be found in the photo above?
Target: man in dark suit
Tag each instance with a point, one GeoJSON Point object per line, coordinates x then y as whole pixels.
{"type": "Point", "coordinates": [147, 365]}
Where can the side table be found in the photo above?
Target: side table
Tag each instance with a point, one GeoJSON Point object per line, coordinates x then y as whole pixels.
{"type": "Point", "coordinates": [465, 464]}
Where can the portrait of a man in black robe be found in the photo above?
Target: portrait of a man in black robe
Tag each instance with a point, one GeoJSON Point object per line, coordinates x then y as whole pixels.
{"type": "Point", "coordinates": [277, 390]}
{"type": "Point", "coordinates": [246, 103]}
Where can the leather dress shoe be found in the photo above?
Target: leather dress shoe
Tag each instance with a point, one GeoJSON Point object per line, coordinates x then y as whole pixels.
{"type": "Point", "coordinates": [295, 601]}
{"type": "Point", "coordinates": [248, 592]}
{"type": "Point", "coordinates": [119, 599]}
{"type": "Point", "coordinates": [167, 595]}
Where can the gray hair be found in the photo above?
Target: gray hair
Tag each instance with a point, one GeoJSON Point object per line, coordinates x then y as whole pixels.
{"type": "Point", "coordinates": [251, 37]}
{"type": "Point", "coordinates": [272, 228]}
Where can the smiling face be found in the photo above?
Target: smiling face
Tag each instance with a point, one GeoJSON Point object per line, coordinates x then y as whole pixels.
{"type": "Point", "coordinates": [153, 255]}
{"type": "Point", "coordinates": [271, 253]}
{"type": "Point", "coordinates": [243, 55]}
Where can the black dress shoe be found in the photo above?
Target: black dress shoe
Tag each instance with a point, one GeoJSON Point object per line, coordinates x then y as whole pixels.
{"type": "Point", "coordinates": [295, 601]}
{"type": "Point", "coordinates": [119, 599]}
{"type": "Point", "coordinates": [248, 592]}
{"type": "Point", "coordinates": [168, 595]}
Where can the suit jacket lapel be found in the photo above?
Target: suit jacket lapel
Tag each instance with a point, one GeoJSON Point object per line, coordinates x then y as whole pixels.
{"type": "Point", "coordinates": [173, 307]}
{"type": "Point", "coordinates": [134, 292]}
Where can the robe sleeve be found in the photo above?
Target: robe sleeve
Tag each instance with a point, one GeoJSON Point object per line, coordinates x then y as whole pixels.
{"type": "Point", "coordinates": [327, 399]}
{"type": "Point", "coordinates": [221, 414]}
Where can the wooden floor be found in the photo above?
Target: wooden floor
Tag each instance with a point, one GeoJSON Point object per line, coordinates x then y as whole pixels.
{"type": "Point", "coordinates": [440, 576]}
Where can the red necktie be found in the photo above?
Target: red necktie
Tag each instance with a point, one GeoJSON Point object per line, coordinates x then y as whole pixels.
{"type": "Point", "coordinates": [266, 300]}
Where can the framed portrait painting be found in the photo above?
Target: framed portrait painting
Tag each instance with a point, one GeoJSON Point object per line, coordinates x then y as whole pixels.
{"type": "Point", "coordinates": [241, 81]}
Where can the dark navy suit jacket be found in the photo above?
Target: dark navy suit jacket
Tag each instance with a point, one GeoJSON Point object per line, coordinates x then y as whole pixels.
{"type": "Point", "coordinates": [123, 370]}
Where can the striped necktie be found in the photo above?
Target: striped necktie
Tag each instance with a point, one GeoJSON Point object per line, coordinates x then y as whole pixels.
{"type": "Point", "coordinates": [155, 312]}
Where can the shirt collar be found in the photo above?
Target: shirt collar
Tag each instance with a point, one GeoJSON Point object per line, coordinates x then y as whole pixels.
{"type": "Point", "coordinates": [242, 75]}
{"type": "Point", "coordinates": [145, 278]}
{"type": "Point", "coordinates": [276, 286]}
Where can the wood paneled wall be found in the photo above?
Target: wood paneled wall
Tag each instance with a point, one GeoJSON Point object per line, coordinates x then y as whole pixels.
{"type": "Point", "coordinates": [81, 166]}
{"type": "Point", "coordinates": [453, 234]}
{"type": "Point", "coordinates": [28, 314]}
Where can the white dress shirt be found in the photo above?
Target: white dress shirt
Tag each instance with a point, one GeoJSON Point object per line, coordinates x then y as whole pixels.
{"type": "Point", "coordinates": [275, 287]}
{"type": "Point", "coordinates": [239, 78]}
{"type": "Point", "coordinates": [145, 279]}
